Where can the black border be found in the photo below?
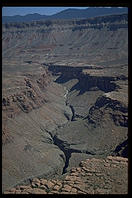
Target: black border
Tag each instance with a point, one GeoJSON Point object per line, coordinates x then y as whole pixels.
{"type": "Point", "coordinates": [112, 3]}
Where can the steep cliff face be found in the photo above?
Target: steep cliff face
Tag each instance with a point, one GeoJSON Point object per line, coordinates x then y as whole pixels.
{"type": "Point", "coordinates": [116, 110]}
{"type": "Point", "coordinates": [26, 95]}
{"type": "Point", "coordinates": [95, 39]}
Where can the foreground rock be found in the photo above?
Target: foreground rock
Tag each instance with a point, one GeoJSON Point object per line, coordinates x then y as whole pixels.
{"type": "Point", "coordinates": [93, 176]}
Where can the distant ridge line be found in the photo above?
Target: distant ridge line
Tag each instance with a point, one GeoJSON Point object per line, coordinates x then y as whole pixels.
{"type": "Point", "coordinates": [67, 14]}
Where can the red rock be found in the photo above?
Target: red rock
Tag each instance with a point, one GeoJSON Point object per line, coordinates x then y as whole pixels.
{"type": "Point", "coordinates": [74, 173]}
{"type": "Point", "coordinates": [106, 164]}
{"type": "Point", "coordinates": [109, 157]}
{"type": "Point", "coordinates": [89, 174]}
{"type": "Point", "coordinates": [24, 187]}
{"type": "Point", "coordinates": [66, 188]}
{"type": "Point", "coordinates": [53, 181]}
{"type": "Point", "coordinates": [56, 187]}
{"type": "Point", "coordinates": [78, 169]}
{"type": "Point", "coordinates": [49, 184]}
{"type": "Point", "coordinates": [38, 191]}
{"type": "Point", "coordinates": [83, 174]}
{"type": "Point", "coordinates": [12, 190]}
{"type": "Point", "coordinates": [35, 184]}
{"type": "Point", "coordinates": [36, 180]}
{"type": "Point", "coordinates": [73, 184]}
{"type": "Point", "coordinates": [79, 186]}
{"type": "Point", "coordinates": [73, 190]}
{"type": "Point", "coordinates": [43, 187]}
{"type": "Point", "coordinates": [43, 181]}
{"type": "Point", "coordinates": [18, 192]}
{"type": "Point", "coordinates": [64, 192]}
{"type": "Point", "coordinates": [59, 183]}
{"type": "Point", "coordinates": [24, 192]}
{"type": "Point", "coordinates": [73, 169]}
{"type": "Point", "coordinates": [73, 178]}
{"type": "Point", "coordinates": [81, 192]}
{"type": "Point", "coordinates": [68, 178]}
{"type": "Point", "coordinates": [54, 192]}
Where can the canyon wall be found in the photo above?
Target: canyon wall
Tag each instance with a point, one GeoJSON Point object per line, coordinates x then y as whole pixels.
{"type": "Point", "coordinates": [64, 95]}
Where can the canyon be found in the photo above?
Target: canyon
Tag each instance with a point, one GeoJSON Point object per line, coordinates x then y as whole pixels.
{"type": "Point", "coordinates": [64, 95]}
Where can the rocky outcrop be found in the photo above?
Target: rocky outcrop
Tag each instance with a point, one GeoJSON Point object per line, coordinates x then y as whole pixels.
{"type": "Point", "coordinates": [93, 176]}
{"type": "Point", "coordinates": [122, 149]}
{"type": "Point", "coordinates": [104, 105]}
{"type": "Point", "coordinates": [30, 96]}
{"type": "Point", "coordinates": [6, 137]}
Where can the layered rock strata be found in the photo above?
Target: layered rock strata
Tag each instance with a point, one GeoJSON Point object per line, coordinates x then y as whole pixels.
{"type": "Point", "coordinates": [53, 127]}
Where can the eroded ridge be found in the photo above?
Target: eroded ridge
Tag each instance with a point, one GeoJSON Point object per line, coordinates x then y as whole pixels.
{"type": "Point", "coordinates": [93, 176]}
